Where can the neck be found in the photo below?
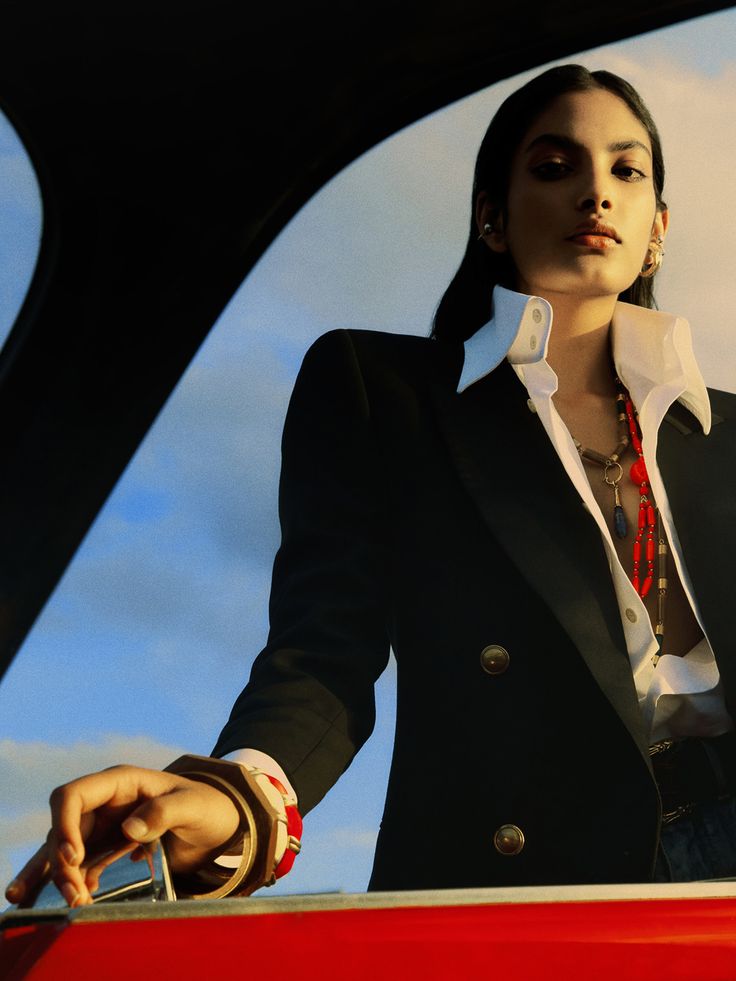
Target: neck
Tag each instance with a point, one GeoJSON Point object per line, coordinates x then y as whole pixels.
{"type": "Point", "coordinates": [579, 345]}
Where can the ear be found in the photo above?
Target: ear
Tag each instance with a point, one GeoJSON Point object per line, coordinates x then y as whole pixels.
{"type": "Point", "coordinates": [661, 224]}
{"type": "Point", "coordinates": [487, 213]}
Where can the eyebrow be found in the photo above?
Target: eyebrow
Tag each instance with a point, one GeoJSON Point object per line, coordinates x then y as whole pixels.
{"type": "Point", "coordinates": [567, 143]}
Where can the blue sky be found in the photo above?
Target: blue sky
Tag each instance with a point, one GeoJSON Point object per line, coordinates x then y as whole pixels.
{"type": "Point", "coordinates": [149, 636]}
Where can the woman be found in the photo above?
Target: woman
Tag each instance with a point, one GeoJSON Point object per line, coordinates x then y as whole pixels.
{"type": "Point", "coordinates": [468, 499]}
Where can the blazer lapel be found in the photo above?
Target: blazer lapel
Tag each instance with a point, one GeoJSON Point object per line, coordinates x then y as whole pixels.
{"type": "Point", "coordinates": [699, 473]}
{"type": "Point", "coordinates": [513, 474]}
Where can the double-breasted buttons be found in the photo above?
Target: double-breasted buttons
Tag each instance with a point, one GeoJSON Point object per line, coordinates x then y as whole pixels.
{"type": "Point", "coordinates": [494, 659]}
{"type": "Point", "coordinates": [508, 840]}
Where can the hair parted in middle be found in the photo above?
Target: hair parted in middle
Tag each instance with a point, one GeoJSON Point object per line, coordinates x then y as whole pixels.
{"type": "Point", "coordinates": [467, 302]}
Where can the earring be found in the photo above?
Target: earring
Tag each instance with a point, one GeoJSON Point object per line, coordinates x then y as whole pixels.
{"type": "Point", "coordinates": [655, 254]}
{"type": "Point", "coordinates": [487, 229]}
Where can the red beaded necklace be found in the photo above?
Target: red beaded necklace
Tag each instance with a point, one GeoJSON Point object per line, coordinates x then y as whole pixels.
{"type": "Point", "coordinates": [647, 519]}
{"type": "Point", "coordinates": [649, 524]}
{"type": "Point", "coordinates": [649, 535]}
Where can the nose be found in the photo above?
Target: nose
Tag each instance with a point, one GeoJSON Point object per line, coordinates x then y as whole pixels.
{"type": "Point", "coordinates": [595, 202]}
{"type": "Point", "coordinates": [596, 194]}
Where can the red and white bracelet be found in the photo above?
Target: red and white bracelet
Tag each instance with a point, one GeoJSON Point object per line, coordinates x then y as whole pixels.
{"type": "Point", "coordinates": [269, 835]}
{"type": "Point", "coordinates": [289, 822]}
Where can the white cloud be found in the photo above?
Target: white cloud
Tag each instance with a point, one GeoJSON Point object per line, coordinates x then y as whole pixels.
{"type": "Point", "coordinates": [27, 828]}
{"type": "Point", "coordinates": [352, 838]}
{"type": "Point", "coordinates": [336, 860]}
{"type": "Point", "coordinates": [30, 770]}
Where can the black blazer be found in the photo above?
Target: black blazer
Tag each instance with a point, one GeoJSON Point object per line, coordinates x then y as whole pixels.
{"type": "Point", "coordinates": [441, 524]}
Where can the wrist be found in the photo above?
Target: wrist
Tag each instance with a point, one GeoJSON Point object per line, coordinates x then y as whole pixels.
{"type": "Point", "coordinates": [268, 834]}
{"type": "Point", "coordinates": [218, 829]}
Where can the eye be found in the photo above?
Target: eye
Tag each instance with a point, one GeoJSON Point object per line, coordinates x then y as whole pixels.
{"type": "Point", "coordinates": [551, 170]}
{"type": "Point", "coordinates": [629, 173]}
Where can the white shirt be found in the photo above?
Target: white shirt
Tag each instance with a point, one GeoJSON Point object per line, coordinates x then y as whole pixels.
{"type": "Point", "coordinates": [654, 359]}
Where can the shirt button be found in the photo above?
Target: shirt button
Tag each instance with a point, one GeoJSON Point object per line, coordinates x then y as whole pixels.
{"type": "Point", "coordinates": [508, 840]}
{"type": "Point", "coordinates": [533, 342]}
{"type": "Point", "coordinates": [631, 615]}
{"type": "Point", "coordinates": [494, 659]}
{"type": "Point", "coordinates": [537, 316]}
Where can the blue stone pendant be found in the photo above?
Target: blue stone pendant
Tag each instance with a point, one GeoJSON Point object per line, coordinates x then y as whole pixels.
{"type": "Point", "coordinates": [619, 521]}
{"type": "Point", "coordinates": [619, 518]}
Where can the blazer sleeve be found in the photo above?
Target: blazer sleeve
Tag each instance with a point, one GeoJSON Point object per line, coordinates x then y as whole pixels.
{"type": "Point", "coordinates": [309, 702]}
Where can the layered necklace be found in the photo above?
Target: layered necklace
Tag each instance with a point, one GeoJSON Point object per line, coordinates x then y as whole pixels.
{"type": "Point", "coordinates": [649, 542]}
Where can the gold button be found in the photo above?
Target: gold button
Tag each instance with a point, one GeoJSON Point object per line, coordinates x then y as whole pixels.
{"type": "Point", "coordinates": [508, 840]}
{"type": "Point", "coordinates": [494, 659]}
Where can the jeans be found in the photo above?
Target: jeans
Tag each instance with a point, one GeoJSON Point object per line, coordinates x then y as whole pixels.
{"type": "Point", "coordinates": [699, 846]}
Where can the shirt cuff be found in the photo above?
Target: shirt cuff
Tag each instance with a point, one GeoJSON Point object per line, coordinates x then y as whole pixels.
{"type": "Point", "coordinates": [262, 761]}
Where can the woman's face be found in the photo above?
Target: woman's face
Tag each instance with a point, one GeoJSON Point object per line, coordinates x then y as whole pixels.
{"type": "Point", "coordinates": [581, 208]}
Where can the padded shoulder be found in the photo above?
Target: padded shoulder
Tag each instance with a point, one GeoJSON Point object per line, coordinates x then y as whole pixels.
{"type": "Point", "coordinates": [415, 359]}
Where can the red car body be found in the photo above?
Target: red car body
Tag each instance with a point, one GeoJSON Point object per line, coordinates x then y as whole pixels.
{"type": "Point", "coordinates": [616, 933]}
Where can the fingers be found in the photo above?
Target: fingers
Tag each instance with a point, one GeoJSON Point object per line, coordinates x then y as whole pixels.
{"type": "Point", "coordinates": [72, 822]}
{"type": "Point", "coordinates": [37, 871]}
{"type": "Point", "coordinates": [82, 808]}
{"type": "Point", "coordinates": [30, 876]}
{"type": "Point", "coordinates": [74, 805]}
{"type": "Point", "coordinates": [93, 871]}
{"type": "Point", "coordinates": [92, 817]}
{"type": "Point", "coordinates": [64, 869]}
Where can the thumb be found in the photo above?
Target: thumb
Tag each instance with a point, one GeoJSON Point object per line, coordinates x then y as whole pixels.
{"type": "Point", "coordinates": [154, 817]}
{"type": "Point", "coordinates": [137, 828]}
{"type": "Point", "coordinates": [197, 814]}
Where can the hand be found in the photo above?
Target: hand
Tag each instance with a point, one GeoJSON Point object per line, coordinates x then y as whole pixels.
{"type": "Point", "coordinates": [110, 813]}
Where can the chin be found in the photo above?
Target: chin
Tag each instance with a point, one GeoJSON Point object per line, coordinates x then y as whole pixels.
{"type": "Point", "coordinates": [586, 282]}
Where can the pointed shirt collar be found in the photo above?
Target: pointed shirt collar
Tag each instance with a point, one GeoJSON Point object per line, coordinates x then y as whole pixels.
{"type": "Point", "coordinates": [650, 348]}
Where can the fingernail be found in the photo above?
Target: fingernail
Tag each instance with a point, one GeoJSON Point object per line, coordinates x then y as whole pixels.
{"type": "Point", "coordinates": [135, 828]}
{"type": "Point", "coordinates": [67, 853]}
{"type": "Point", "coordinates": [13, 891]}
{"type": "Point", "coordinates": [70, 894]}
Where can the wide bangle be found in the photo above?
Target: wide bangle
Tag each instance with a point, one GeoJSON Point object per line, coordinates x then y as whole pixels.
{"type": "Point", "coordinates": [259, 830]}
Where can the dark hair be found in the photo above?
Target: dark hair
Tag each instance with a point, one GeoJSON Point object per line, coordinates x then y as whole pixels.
{"type": "Point", "coordinates": [467, 302]}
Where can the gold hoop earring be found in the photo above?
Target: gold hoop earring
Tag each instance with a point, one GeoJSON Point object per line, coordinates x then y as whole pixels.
{"type": "Point", "coordinates": [655, 254]}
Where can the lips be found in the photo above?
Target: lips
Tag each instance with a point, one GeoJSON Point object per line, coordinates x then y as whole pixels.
{"type": "Point", "coordinates": [595, 234]}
